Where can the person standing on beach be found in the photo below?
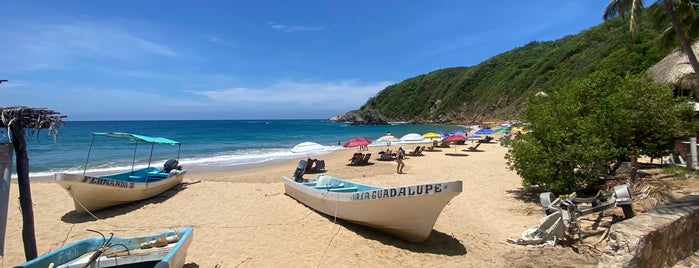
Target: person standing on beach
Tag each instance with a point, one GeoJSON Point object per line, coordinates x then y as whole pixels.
{"type": "Point", "coordinates": [399, 160]}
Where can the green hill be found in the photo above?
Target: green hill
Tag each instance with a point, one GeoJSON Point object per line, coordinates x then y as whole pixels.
{"type": "Point", "coordinates": [499, 87]}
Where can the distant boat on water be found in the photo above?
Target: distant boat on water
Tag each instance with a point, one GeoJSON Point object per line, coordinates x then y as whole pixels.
{"type": "Point", "coordinates": [397, 123]}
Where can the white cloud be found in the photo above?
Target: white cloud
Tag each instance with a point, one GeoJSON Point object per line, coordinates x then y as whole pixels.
{"type": "Point", "coordinates": [340, 95]}
{"type": "Point", "coordinates": [293, 28]}
{"type": "Point", "coordinates": [56, 45]}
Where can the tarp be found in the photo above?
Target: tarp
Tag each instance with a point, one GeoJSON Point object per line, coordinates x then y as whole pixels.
{"type": "Point", "coordinates": [6, 169]}
{"type": "Point", "coordinates": [136, 137]}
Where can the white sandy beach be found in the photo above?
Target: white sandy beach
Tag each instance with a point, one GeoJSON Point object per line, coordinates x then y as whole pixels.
{"type": "Point", "coordinates": [244, 219]}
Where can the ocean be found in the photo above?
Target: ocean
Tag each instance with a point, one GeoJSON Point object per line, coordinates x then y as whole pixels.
{"type": "Point", "coordinates": [207, 145]}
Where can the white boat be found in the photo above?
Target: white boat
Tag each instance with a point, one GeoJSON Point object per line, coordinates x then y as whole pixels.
{"type": "Point", "coordinates": [408, 212]}
{"type": "Point", "coordinates": [161, 250]}
{"type": "Point", "coordinates": [92, 193]}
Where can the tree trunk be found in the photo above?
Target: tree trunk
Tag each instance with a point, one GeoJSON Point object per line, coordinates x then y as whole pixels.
{"type": "Point", "coordinates": [684, 42]}
{"type": "Point", "coordinates": [25, 193]}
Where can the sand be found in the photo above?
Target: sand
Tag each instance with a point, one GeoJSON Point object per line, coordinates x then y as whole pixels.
{"type": "Point", "coordinates": [244, 219]}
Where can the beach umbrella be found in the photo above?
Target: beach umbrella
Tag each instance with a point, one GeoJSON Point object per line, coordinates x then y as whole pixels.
{"type": "Point", "coordinates": [431, 135]}
{"type": "Point", "coordinates": [307, 147]}
{"type": "Point", "coordinates": [357, 142]}
{"type": "Point", "coordinates": [412, 138]}
{"type": "Point", "coordinates": [485, 131]}
{"type": "Point", "coordinates": [458, 131]}
{"type": "Point", "coordinates": [502, 130]}
{"type": "Point", "coordinates": [444, 134]}
{"type": "Point", "coordinates": [474, 137]}
{"type": "Point", "coordinates": [454, 138]}
{"type": "Point", "coordinates": [387, 139]}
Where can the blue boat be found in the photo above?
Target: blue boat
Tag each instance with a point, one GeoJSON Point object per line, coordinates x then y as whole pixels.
{"type": "Point", "coordinates": [164, 249]}
{"type": "Point", "coordinates": [94, 192]}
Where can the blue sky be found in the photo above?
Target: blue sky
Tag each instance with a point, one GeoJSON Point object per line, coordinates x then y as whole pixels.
{"type": "Point", "coordinates": [138, 60]}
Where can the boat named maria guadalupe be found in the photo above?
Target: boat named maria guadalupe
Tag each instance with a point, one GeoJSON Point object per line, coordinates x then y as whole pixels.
{"type": "Point", "coordinates": [408, 212]}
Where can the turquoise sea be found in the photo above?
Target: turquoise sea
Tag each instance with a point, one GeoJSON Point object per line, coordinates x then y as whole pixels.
{"type": "Point", "coordinates": [206, 144]}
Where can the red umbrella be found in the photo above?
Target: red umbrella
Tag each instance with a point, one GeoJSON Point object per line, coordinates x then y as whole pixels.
{"type": "Point", "coordinates": [454, 138]}
{"type": "Point", "coordinates": [356, 142]}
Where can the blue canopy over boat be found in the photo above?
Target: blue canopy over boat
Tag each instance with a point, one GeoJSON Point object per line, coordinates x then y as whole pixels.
{"type": "Point", "coordinates": [136, 137]}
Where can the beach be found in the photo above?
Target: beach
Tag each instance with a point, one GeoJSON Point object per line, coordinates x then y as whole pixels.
{"type": "Point", "coordinates": [243, 218]}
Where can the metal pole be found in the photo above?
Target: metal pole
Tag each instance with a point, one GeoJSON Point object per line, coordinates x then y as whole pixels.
{"type": "Point", "coordinates": [693, 152]}
{"type": "Point", "coordinates": [6, 169]}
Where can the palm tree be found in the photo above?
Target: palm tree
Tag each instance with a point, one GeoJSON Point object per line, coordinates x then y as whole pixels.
{"type": "Point", "coordinates": [633, 8]}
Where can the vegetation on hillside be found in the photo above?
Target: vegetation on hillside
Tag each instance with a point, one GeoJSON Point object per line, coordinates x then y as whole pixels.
{"type": "Point", "coordinates": [499, 88]}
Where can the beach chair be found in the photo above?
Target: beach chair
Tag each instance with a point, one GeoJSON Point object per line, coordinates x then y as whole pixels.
{"type": "Point", "coordinates": [365, 160]}
{"type": "Point", "coordinates": [319, 167]}
{"type": "Point", "coordinates": [419, 153]}
{"type": "Point", "coordinates": [356, 159]}
{"type": "Point", "coordinates": [414, 152]}
{"type": "Point", "coordinates": [309, 165]}
{"type": "Point", "coordinates": [300, 170]}
{"type": "Point", "coordinates": [474, 148]}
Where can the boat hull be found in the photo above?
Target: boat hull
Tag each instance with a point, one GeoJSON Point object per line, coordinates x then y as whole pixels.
{"type": "Point", "coordinates": [77, 254]}
{"type": "Point", "coordinates": [408, 212]}
{"type": "Point", "coordinates": [94, 193]}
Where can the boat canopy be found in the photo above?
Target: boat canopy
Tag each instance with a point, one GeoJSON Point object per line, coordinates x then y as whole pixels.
{"type": "Point", "coordinates": [136, 137]}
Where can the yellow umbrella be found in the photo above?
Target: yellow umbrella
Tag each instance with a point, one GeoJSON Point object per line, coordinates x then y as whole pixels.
{"type": "Point", "coordinates": [431, 135]}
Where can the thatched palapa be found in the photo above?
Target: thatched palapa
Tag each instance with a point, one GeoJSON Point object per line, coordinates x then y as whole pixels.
{"type": "Point", "coordinates": [676, 70]}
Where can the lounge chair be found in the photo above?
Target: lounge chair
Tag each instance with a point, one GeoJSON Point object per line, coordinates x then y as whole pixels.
{"type": "Point", "coordinates": [356, 159]}
{"type": "Point", "coordinates": [414, 152]}
{"type": "Point", "coordinates": [365, 160]}
{"type": "Point", "coordinates": [319, 167]}
{"type": "Point", "coordinates": [309, 165]}
{"type": "Point", "coordinates": [419, 153]}
{"type": "Point", "coordinates": [386, 156]}
{"type": "Point", "coordinates": [300, 170]}
{"type": "Point", "coordinates": [474, 148]}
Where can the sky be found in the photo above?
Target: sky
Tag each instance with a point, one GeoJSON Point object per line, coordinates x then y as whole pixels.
{"type": "Point", "coordinates": [301, 59]}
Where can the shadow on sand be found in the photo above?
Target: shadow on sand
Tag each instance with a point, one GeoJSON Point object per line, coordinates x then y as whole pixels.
{"type": "Point", "coordinates": [455, 154]}
{"type": "Point", "coordinates": [437, 243]}
{"type": "Point", "coordinates": [75, 217]}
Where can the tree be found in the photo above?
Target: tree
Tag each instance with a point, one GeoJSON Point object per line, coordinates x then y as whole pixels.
{"type": "Point", "coordinates": [675, 9]}
{"type": "Point", "coordinates": [578, 130]}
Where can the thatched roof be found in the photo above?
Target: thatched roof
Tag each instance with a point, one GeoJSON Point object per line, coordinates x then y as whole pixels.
{"type": "Point", "coordinates": [676, 70]}
{"type": "Point", "coordinates": [35, 118]}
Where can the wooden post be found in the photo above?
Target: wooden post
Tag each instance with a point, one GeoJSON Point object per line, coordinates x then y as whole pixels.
{"type": "Point", "coordinates": [25, 192]}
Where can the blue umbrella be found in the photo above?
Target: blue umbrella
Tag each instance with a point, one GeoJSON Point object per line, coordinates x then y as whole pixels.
{"type": "Point", "coordinates": [485, 131]}
{"type": "Point", "coordinates": [444, 134]}
{"type": "Point", "coordinates": [457, 131]}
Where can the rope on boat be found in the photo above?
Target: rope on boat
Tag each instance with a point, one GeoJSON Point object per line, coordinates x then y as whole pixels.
{"type": "Point", "coordinates": [331, 238]}
{"type": "Point", "coordinates": [70, 190]}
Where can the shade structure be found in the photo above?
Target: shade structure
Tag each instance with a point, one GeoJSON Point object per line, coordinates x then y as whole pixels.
{"type": "Point", "coordinates": [485, 131]}
{"type": "Point", "coordinates": [457, 131]}
{"type": "Point", "coordinates": [412, 138]}
{"type": "Point", "coordinates": [474, 137]}
{"type": "Point", "coordinates": [307, 147]}
{"type": "Point", "coordinates": [387, 139]}
{"type": "Point", "coordinates": [454, 138]}
{"type": "Point", "coordinates": [503, 130]}
{"type": "Point", "coordinates": [356, 142]}
{"type": "Point", "coordinates": [431, 135]}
